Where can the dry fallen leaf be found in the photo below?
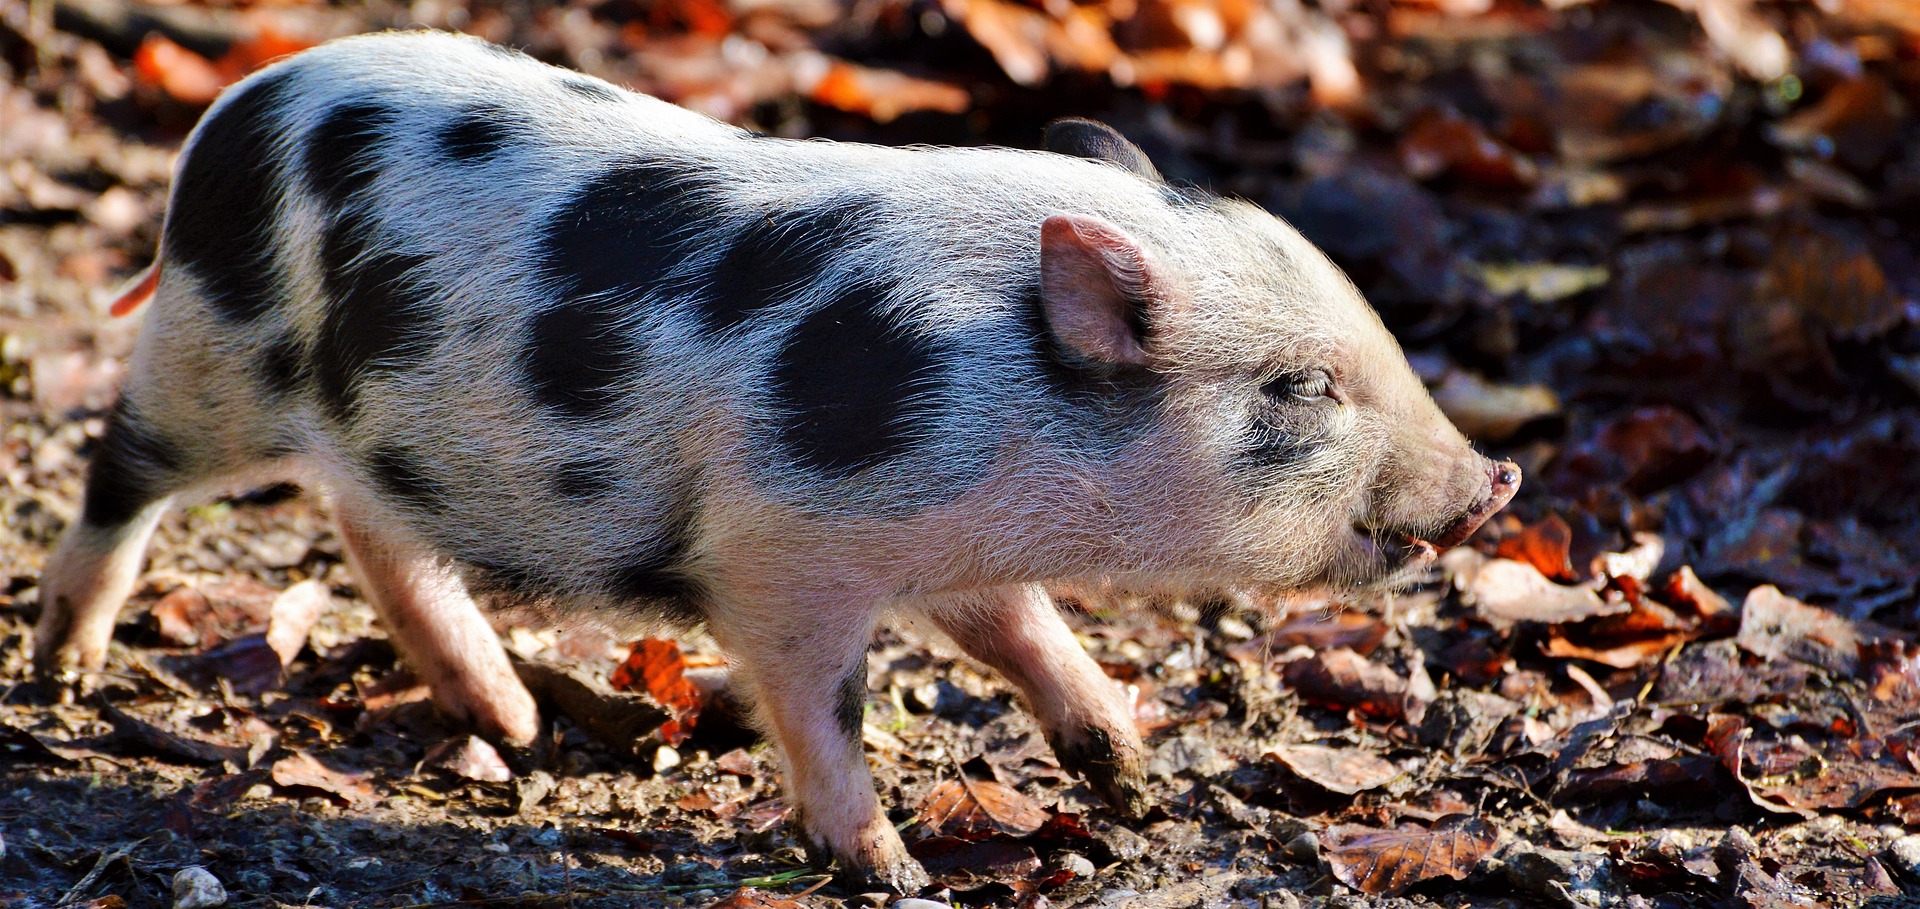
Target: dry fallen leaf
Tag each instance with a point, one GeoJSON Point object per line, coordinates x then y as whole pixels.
{"type": "Point", "coordinates": [657, 667]}
{"type": "Point", "coordinates": [1490, 412]}
{"type": "Point", "coordinates": [470, 757]}
{"type": "Point", "coordinates": [300, 769]}
{"type": "Point", "coordinates": [1776, 626]}
{"type": "Point", "coordinates": [1511, 591]}
{"type": "Point", "coordinates": [1387, 862]}
{"type": "Point", "coordinates": [971, 809]}
{"type": "Point", "coordinates": [1344, 770]}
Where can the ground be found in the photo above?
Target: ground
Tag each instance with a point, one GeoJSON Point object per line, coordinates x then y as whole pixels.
{"type": "Point", "coordinates": [1660, 254]}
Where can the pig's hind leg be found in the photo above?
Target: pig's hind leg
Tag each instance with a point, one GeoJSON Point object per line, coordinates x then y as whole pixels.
{"type": "Point", "coordinates": [438, 629]}
{"type": "Point", "coordinates": [1087, 717]}
{"type": "Point", "coordinates": [134, 473]}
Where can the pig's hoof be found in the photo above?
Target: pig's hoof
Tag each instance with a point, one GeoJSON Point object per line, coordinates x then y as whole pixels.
{"type": "Point", "coordinates": [881, 863]}
{"type": "Point", "coordinates": [1111, 768]}
{"type": "Point", "coordinates": [498, 708]}
{"type": "Point", "coordinates": [903, 875]}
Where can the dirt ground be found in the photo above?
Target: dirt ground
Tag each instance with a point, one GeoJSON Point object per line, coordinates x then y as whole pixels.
{"type": "Point", "coordinates": [1661, 254]}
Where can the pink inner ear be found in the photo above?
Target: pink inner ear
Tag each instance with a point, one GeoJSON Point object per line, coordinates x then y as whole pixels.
{"type": "Point", "coordinates": [1095, 282]}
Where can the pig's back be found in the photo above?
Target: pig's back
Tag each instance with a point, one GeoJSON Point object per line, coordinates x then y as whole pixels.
{"type": "Point", "coordinates": [562, 330]}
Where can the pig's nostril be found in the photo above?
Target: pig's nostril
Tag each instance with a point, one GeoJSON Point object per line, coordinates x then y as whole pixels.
{"type": "Point", "coordinates": [1506, 477]}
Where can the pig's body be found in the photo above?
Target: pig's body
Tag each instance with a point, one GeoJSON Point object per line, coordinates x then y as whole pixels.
{"type": "Point", "coordinates": [578, 348]}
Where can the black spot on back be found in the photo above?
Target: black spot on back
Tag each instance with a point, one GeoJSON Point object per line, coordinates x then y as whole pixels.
{"type": "Point", "coordinates": [477, 132]}
{"type": "Point", "coordinates": [377, 315]}
{"type": "Point", "coordinates": [590, 89]}
{"type": "Point", "coordinates": [279, 367]}
{"type": "Point", "coordinates": [402, 475]}
{"type": "Point", "coordinates": [775, 257]}
{"type": "Point", "coordinates": [622, 233]}
{"type": "Point", "coordinates": [221, 222]}
{"type": "Point", "coordinates": [576, 356]}
{"type": "Point", "coordinates": [850, 702]}
{"type": "Point", "coordinates": [616, 240]}
{"type": "Point", "coordinates": [133, 467]}
{"type": "Point", "coordinates": [584, 479]}
{"type": "Point", "coordinates": [340, 151]}
{"type": "Point", "coordinates": [847, 379]}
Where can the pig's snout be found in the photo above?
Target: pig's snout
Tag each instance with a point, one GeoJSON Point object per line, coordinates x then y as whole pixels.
{"type": "Point", "coordinates": [1503, 480]}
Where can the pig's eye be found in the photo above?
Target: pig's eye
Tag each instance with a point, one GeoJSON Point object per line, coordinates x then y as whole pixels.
{"type": "Point", "coordinates": [1301, 387]}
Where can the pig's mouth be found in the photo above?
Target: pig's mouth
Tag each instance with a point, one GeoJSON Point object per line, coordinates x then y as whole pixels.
{"type": "Point", "coordinates": [1396, 551]}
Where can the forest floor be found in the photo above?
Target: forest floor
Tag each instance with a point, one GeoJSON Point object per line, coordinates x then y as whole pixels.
{"type": "Point", "coordinates": [1671, 270]}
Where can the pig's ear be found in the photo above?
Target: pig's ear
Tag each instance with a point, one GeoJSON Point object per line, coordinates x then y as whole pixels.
{"type": "Point", "coordinates": [1096, 140]}
{"type": "Point", "coordinates": [1096, 286]}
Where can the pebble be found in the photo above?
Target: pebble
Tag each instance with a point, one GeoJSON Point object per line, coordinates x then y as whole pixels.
{"type": "Point", "coordinates": [1079, 865]}
{"type": "Point", "coordinates": [913, 903]}
{"type": "Point", "coordinates": [196, 888]}
{"type": "Point", "coordinates": [1905, 853]}
{"type": "Point", "coordinates": [665, 759]}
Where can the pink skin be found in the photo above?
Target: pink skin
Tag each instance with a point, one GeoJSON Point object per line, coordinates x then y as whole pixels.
{"type": "Point", "coordinates": [440, 632]}
{"type": "Point", "coordinates": [1088, 719]}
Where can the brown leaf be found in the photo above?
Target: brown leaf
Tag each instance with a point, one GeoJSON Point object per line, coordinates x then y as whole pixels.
{"type": "Point", "coordinates": [292, 615]}
{"type": "Point", "coordinates": [470, 757]}
{"type": "Point", "coordinates": [972, 809]}
{"type": "Point", "coordinates": [620, 720]}
{"type": "Point", "coordinates": [184, 75]}
{"type": "Point", "coordinates": [146, 736]}
{"type": "Point", "coordinates": [1511, 591]}
{"type": "Point", "coordinates": [751, 898]}
{"type": "Point", "coordinates": [1546, 544]}
{"type": "Point", "coordinates": [658, 667]}
{"type": "Point", "coordinates": [1387, 862]}
{"type": "Point", "coordinates": [1320, 630]}
{"type": "Point", "coordinates": [1776, 626]}
{"type": "Point", "coordinates": [301, 770]}
{"type": "Point", "coordinates": [1344, 680]}
{"type": "Point", "coordinates": [1441, 142]}
{"type": "Point", "coordinates": [1344, 770]}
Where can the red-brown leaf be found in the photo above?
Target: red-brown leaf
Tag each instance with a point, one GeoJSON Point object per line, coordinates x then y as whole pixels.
{"type": "Point", "coordinates": [972, 809]}
{"type": "Point", "coordinates": [1387, 862]}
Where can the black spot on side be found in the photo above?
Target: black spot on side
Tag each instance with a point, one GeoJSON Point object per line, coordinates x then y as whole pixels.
{"type": "Point", "coordinates": [133, 466]}
{"type": "Point", "coordinates": [584, 479]}
{"type": "Point", "coordinates": [221, 221]}
{"type": "Point", "coordinates": [477, 132]}
{"type": "Point", "coordinates": [847, 379]}
{"type": "Point", "coordinates": [850, 702]}
{"type": "Point", "coordinates": [402, 475]}
{"type": "Point", "coordinates": [776, 257]}
{"type": "Point", "coordinates": [340, 151]}
{"type": "Point", "coordinates": [622, 233]}
{"type": "Point", "coordinates": [377, 317]}
{"type": "Point", "coordinates": [590, 89]}
{"type": "Point", "coordinates": [279, 367]}
{"type": "Point", "coordinates": [658, 574]}
{"type": "Point", "coordinates": [576, 356]}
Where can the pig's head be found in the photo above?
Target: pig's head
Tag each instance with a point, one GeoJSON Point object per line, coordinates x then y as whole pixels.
{"type": "Point", "coordinates": [1297, 443]}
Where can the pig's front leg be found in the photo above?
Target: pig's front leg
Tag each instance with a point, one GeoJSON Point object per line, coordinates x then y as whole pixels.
{"type": "Point", "coordinates": [1087, 717]}
{"type": "Point", "coordinates": [439, 631]}
{"type": "Point", "coordinates": [804, 663]}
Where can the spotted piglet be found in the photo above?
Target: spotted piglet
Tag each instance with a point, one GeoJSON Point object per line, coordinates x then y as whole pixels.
{"type": "Point", "coordinates": [544, 342]}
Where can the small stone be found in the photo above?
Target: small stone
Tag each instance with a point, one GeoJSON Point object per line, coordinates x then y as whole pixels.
{"type": "Point", "coordinates": [1905, 854]}
{"type": "Point", "coordinates": [1279, 899]}
{"type": "Point", "coordinates": [1076, 864]}
{"type": "Point", "coordinates": [665, 759]}
{"type": "Point", "coordinates": [1305, 848]}
{"type": "Point", "coordinates": [195, 887]}
{"type": "Point", "coordinates": [914, 903]}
